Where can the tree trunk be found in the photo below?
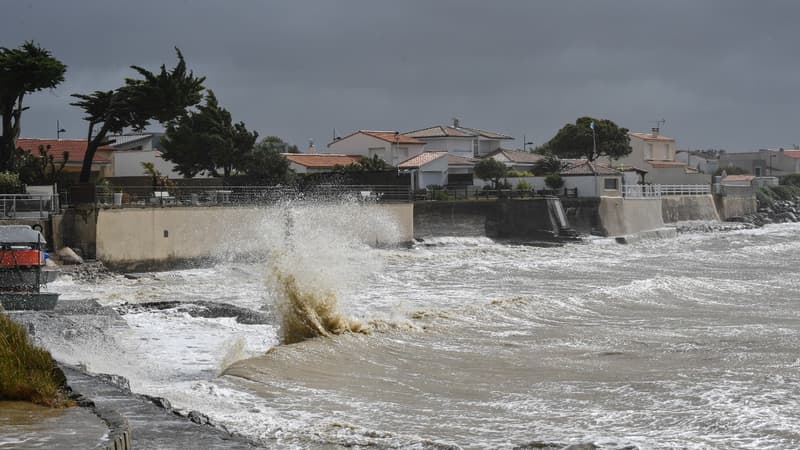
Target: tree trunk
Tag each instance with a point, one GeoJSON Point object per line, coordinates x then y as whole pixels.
{"type": "Point", "coordinates": [91, 148]}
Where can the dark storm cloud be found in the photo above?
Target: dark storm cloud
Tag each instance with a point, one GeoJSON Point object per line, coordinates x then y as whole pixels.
{"type": "Point", "coordinates": [722, 73]}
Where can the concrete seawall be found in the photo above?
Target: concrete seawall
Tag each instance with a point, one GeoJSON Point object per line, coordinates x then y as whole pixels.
{"type": "Point", "coordinates": [146, 238]}
{"type": "Point", "coordinates": [620, 216]}
{"type": "Point", "coordinates": [679, 208]}
{"type": "Point", "coordinates": [730, 207]}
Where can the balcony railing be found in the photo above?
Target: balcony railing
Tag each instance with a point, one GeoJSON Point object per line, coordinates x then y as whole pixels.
{"type": "Point", "coordinates": [660, 190]}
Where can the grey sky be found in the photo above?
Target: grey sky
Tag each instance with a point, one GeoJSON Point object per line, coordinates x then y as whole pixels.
{"type": "Point", "coordinates": [724, 74]}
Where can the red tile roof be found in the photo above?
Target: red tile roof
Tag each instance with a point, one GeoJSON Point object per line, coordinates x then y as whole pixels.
{"type": "Point", "coordinates": [732, 178]}
{"type": "Point", "coordinates": [792, 153]}
{"type": "Point", "coordinates": [421, 159]}
{"type": "Point", "coordinates": [456, 160]}
{"type": "Point", "coordinates": [575, 167]}
{"type": "Point", "coordinates": [666, 163]}
{"type": "Point", "coordinates": [651, 136]}
{"type": "Point", "coordinates": [517, 156]}
{"type": "Point", "coordinates": [75, 147]}
{"type": "Point", "coordinates": [321, 160]}
{"type": "Point", "coordinates": [392, 137]}
{"type": "Point", "coordinates": [449, 131]}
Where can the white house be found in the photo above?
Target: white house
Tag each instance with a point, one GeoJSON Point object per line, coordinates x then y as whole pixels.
{"type": "Point", "coordinates": [591, 179]}
{"type": "Point", "coordinates": [458, 140]}
{"type": "Point", "coordinates": [765, 162]}
{"type": "Point", "coordinates": [131, 150]}
{"type": "Point", "coordinates": [390, 146]}
{"type": "Point", "coordinates": [438, 168]}
{"type": "Point", "coordinates": [698, 160]}
{"type": "Point", "coordinates": [655, 153]}
{"type": "Point", "coordinates": [515, 159]}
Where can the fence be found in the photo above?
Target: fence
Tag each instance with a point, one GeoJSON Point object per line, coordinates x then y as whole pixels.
{"type": "Point", "coordinates": [28, 206]}
{"type": "Point", "coordinates": [139, 196]}
{"type": "Point", "coordinates": [660, 190]}
{"type": "Point", "coordinates": [473, 192]}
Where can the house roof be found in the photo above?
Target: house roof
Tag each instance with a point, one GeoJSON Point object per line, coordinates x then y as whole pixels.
{"type": "Point", "coordinates": [393, 137]}
{"type": "Point", "coordinates": [666, 163]}
{"type": "Point", "coordinates": [733, 178]}
{"type": "Point", "coordinates": [651, 136]}
{"type": "Point", "coordinates": [122, 139]}
{"type": "Point", "coordinates": [422, 159]}
{"type": "Point", "coordinates": [792, 153]}
{"type": "Point", "coordinates": [576, 167]}
{"type": "Point", "coordinates": [451, 131]}
{"type": "Point", "coordinates": [75, 147]}
{"type": "Point", "coordinates": [456, 160]}
{"type": "Point", "coordinates": [322, 160]}
{"type": "Point", "coordinates": [517, 156]}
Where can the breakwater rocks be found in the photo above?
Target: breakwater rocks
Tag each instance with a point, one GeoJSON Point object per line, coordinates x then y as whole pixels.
{"type": "Point", "coordinates": [779, 211]}
{"type": "Point", "coordinates": [712, 227]}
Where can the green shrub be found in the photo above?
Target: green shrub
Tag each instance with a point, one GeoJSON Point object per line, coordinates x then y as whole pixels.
{"type": "Point", "coordinates": [764, 197]}
{"type": "Point", "coordinates": [28, 372]}
{"type": "Point", "coordinates": [518, 174]}
{"type": "Point", "coordinates": [791, 180]}
{"type": "Point", "coordinates": [10, 183]}
{"type": "Point", "coordinates": [554, 181]}
{"type": "Point", "coordinates": [523, 186]}
{"type": "Point", "coordinates": [785, 192]}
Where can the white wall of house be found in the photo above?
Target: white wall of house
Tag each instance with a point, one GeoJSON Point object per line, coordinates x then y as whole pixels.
{"type": "Point", "coordinates": [129, 163]}
{"type": "Point", "coordinates": [456, 145]}
{"type": "Point", "coordinates": [365, 145]}
{"type": "Point", "coordinates": [433, 173]}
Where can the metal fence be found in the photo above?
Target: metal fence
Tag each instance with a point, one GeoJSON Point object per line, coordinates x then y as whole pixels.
{"type": "Point", "coordinates": [28, 206]}
{"type": "Point", "coordinates": [138, 196]}
{"type": "Point", "coordinates": [660, 190]}
{"type": "Point", "coordinates": [474, 192]}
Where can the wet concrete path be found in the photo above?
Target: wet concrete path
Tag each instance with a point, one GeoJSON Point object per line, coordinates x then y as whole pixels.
{"type": "Point", "coordinates": [24, 425]}
{"type": "Point", "coordinates": [151, 426]}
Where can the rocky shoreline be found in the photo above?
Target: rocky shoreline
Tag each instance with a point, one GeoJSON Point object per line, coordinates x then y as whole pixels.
{"type": "Point", "coordinates": [779, 211]}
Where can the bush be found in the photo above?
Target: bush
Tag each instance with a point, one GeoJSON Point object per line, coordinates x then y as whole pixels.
{"type": "Point", "coordinates": [10, 183]}
{"type": "Point", "coordinates": [523, 186]}
{"type": "Point", "coordinates": [791, 180]}
{"type": "Point", "coordinates": [785, 192]}
{"type": "Point", "coordinates": [731, 170]}
{"type": "Point", "coordinates": [28, 372]}
{"type": "Point", "coordinates": [518, 174]}
{"type": "Point", "coordinates": [554, 181]}
{"type": "Point", "coordinates": [764, 197]}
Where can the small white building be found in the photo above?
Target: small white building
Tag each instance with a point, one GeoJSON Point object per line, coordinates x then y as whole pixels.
{"type": "Point", "coordinates": [515, 159]}
{"type": "Point", "coordinates": [439, 168]}
{"type": "Point", "coordinates": [131, 150]}
{"type": "Point", "coordinates": [390, 146]}
{"type": "Point", "coordinates": [458, 140]}
{"type": "Point", "coordinates": [591, 179]}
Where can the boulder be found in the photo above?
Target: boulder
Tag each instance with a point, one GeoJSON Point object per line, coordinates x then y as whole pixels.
{"type": "Point", "coordinates": [68, 256]}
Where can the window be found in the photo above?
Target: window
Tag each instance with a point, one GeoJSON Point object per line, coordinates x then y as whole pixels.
{"type": "Point", "coordinates": [758, 171]}
{"type": "Point", "coordinates": [475, 148]}
{"type": "Point", "coordinates": [610, 184]}
{"type": "Point", "coordinates": [376, 151]}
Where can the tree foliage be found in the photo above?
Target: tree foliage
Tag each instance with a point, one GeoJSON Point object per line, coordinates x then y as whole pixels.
{"type": "Point", "coordinates": [41, 168]}
{"type": "Point", "coordinates": [163, 97]}
{"type": "Point", "coordinates": [490, 169]}
{"type": "Point", "coordinates": [547, 165]}
{"type": "Point", "coordinates": [23, 70]}
{"type": "Point", "coordinates": [575, 140]}
{"type": "Point", "coordinates": [207, 141]}
{"type": "Point", "coordinates": [266, 162]}
{"type": "Point", "coordinates": [364, 164]}
{"type": "Point", "coordinates": [731, 170]}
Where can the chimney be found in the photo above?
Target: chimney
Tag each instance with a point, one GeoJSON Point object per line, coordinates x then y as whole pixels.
{"type": "Point", "coordinates": [455, 122]}
{"type": "Point", "coordinates": [654, 131]}
{"type": "Point", "coordinates": [311, 148]}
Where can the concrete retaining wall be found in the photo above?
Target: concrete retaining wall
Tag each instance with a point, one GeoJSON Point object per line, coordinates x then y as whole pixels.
{"type": "Point", "coordinates": [730, 207]}
{"type": "Point", "coordinates": [582, 213]}
{"type": "Point", "coordinates": [677, 208]}
{"type": "Point", "coordinates": [146, 238]}
{"type": "Point", "coordinates": [619, 216]}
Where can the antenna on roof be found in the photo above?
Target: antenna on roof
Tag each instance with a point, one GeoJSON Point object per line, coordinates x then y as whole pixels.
{"type": "Point", "coordinates": [59, 130]}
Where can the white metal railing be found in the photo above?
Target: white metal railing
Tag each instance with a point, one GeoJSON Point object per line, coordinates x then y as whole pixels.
{"type": "Point", "coordinates": [28, 206]}
{"type": "Point", "coordinates": [660, 190]}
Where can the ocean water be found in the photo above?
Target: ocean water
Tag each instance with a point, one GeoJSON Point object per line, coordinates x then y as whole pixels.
{"type": "Point", "coordinates": [692, 342]}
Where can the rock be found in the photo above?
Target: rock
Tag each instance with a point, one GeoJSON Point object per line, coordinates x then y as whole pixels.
{"type": "Point", "coordinates": [198, 418]}
{"type": "Point", "coordinates": [68, 256]}
{"type": "Point", "coordinates": [161, 402]}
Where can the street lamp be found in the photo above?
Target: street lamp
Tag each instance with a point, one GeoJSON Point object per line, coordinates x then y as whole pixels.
{"type": "Point", "coordinates": [59, 130]}
{"type": "Point", "coordinates": [525, 142]}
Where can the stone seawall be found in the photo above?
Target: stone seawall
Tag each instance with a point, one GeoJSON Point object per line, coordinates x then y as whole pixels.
{"type": "Point", "coordinates": [624, 216]}
{"type": "Point", "coordinates": [734, 207]}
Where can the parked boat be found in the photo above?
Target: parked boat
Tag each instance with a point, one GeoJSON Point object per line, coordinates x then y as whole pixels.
{"type": "Point", "coordinates": [22, 269]}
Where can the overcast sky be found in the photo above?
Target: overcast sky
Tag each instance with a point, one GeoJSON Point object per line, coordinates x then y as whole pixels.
{"type": "Point", "coordinates": [723, 74]}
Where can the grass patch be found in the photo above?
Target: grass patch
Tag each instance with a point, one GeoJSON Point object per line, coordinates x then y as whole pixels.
{"type": "Point", "coordinates": [27, 372]}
